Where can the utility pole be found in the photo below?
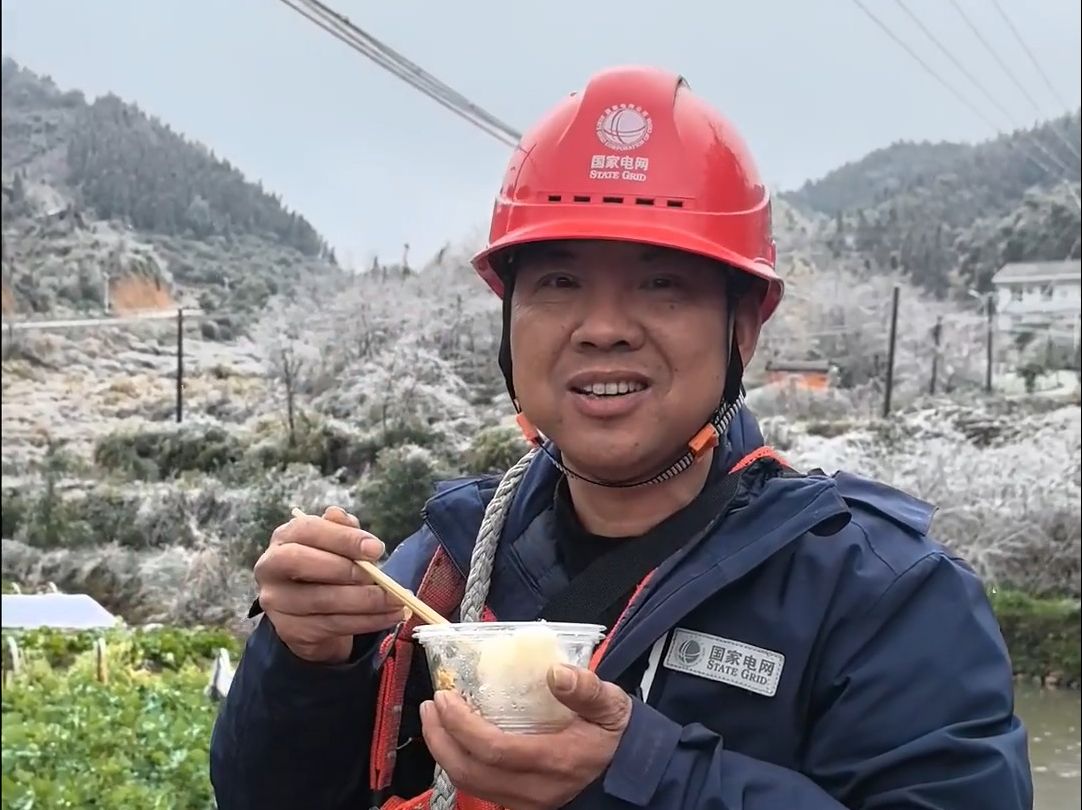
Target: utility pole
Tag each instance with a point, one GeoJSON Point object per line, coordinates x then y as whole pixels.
{"type": "Point", "coordinates": [988, 342]}
{"type": "Point", "coordinates": [890, 351]}
{"type": "Point", "coordinates": [937, 334]}
{"type": "Point", "coordinates": [180, 364]}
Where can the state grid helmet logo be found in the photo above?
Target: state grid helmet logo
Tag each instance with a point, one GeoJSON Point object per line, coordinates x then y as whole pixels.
{"type": "Point", "coordinates": [624, 127]}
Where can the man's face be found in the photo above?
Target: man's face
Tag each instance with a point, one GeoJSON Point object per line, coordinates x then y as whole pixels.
{"type": "Point", "coordinates": [619, 350]}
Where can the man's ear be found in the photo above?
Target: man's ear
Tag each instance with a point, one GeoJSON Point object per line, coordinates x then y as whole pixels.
{"type": "Point", "coordinates": [749, 322]}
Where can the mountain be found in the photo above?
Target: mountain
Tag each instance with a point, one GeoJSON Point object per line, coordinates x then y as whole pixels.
{"type": "Point", "coordinates": [313, 386]}
{"type": "Point", "coordinates": [103, 201]}
{"type": "Point", "coordinates": [994, 172]}
{"type": "Point", "coordinates": [951, 214]}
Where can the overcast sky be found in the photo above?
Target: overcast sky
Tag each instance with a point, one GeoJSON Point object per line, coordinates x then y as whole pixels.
{"type": "Point", "coordinates": [373, 163]}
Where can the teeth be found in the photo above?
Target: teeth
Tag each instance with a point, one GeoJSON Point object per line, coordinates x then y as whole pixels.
{"type": "Point", "coordinates": [612, 389]}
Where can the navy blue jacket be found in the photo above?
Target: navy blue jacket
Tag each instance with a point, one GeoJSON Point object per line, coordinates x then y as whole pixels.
{"type": "Point", "coordinates": [814, 651]}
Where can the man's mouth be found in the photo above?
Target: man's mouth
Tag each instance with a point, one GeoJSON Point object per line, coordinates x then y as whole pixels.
{"type": "Point", "coordinates": [610, 389]}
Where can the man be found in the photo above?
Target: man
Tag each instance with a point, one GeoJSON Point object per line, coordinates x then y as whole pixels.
{"type": "Point", "coordinates": [776, 639]}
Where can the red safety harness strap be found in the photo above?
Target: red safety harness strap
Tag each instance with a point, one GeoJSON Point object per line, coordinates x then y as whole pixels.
{"type": "Point", "coordinates": [441, 587]}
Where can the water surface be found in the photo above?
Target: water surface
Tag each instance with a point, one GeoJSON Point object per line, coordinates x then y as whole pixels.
{"type": "Point", "coordinates": [1052, 718]}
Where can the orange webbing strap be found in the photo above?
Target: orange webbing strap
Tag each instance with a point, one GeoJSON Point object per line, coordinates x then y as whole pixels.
{"type": "Point", "coordinates": [755, 455]}
{"type": "Point", "coordinates": [462, 802]}
{"type": "Point", "coordinates": [442, 588]}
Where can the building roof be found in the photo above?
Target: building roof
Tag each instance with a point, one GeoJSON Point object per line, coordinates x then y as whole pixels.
{"type": "Point", "coordinates": [800, 366]}
{"type": "Point", "coordinates": [1039, 271]}
{"type": "Point", "coordinates": [68, 611]}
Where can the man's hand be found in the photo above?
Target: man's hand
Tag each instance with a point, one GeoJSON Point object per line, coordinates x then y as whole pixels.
{"type": "Point", "coordinates": [530, 771]}
{"type": "Point", "coordinates": [313, 593]}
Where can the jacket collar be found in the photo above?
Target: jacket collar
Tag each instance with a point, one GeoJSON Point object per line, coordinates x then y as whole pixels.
{"type": "Point", "coordinates": [774, 513]}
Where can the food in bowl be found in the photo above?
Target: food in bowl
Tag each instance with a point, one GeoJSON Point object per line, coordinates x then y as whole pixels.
{"type": "Point", "coordinates": [501, 668]}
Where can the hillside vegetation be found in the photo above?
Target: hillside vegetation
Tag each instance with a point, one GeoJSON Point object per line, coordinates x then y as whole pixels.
{"type": "Point", "coordinates": [101, 200]}
{"type": "Point", "coordinates": [951, 214]}
{"type": "Point", "coordinates": [993, 172]}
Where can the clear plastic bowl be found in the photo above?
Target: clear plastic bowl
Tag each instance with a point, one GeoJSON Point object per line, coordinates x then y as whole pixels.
{"type": "Point", "coordinates": [501, 668]}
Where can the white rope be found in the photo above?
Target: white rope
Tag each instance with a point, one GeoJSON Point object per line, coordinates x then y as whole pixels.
{"type": "Point", "coordinates": [477, 584]}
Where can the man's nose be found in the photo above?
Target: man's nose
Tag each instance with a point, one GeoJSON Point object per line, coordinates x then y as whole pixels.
{"type": "Point", "coordinates": [608, 321]}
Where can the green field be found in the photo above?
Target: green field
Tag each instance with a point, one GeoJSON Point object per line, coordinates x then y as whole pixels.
{"type": "Point", "coordinates": [138, 739]}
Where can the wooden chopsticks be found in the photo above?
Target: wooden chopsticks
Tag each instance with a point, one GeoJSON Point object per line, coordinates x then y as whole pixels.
{"type": "Point", "coordinates": [427, 614]}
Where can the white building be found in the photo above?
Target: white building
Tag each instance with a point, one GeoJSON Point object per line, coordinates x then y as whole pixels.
{"type": "Point", "coordinates": [1040, 297]}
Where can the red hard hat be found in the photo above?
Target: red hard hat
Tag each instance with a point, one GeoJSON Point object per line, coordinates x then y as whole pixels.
{"type": "Point", "coordinates": [637, 157]}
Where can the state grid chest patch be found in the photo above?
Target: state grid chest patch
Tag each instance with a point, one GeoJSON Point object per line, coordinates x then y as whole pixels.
{"type": "Point", "coordinates": [725, 660]}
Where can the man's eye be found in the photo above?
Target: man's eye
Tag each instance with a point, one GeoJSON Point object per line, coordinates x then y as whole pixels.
{"type": "Point", "coordinates": [559, 281]}
{"type": "Point", "coordinates": [662, 283]}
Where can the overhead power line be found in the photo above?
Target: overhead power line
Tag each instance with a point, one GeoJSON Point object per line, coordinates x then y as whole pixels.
{"type": "Point", "coordinates": [1033, 59]}
{"type": "Point", "coordinates": [1010, 73]}
{"type": "Point", "coordinates": [976, 83]}
{"type": "Point", "coordinates": [398, 65]}
{"type": "Point", "coordinates": [950, 87]}
{"type": "Point", "coordinates": [407, 70]}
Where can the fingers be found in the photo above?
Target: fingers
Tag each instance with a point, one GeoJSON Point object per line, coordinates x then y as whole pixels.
{"type": "Point", "coordinates": [312, 630]}
{"type": "Point", "coordinates": [452, 756]}
{"type": "Point", "coordinates": [523, 771]}
{"type": "Point", "coordinates": [294, 562]}
{"type": "Point", "coordinates": [313, 591]}
{"type": "Point", "coordinates": [483, 741]}
{"type": "Point", "coordinates": [328, 535]}
{"type": "Point", "coordinates": [303, 599]}
{"type": "Point", "coordinates": [336, 514]}
{"type": "Point", "coordinates": [599, 702]}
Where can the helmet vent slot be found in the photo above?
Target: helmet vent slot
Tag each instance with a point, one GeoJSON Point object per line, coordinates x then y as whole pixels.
{"type": "Point", "coordinates": [613, 199]}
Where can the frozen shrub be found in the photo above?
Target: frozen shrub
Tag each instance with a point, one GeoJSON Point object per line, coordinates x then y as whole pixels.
{"type": "Point", "coordinates": [336, 448]}
{"type": "Point", "coordinates": [1007, 488]}
{"type": "Point", "coordinates": [161, 454]}
{"type": "Point", "coordinates": [265, 504]}
{"type": "Point", "coordinates": [494, 450]}
{"type": "Point", "coordinates": [392, 499]}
